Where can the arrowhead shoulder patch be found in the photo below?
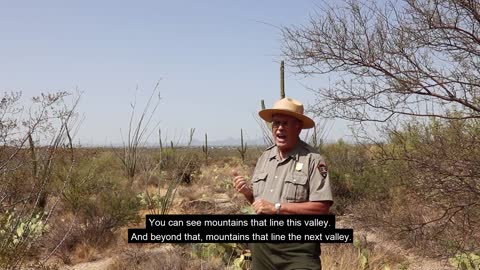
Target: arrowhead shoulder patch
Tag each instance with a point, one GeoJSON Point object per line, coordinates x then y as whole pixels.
{"type": "Point", "coordinates": [322, 168]}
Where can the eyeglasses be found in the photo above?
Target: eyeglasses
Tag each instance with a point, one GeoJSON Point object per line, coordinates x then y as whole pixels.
{"type": "Point", "coordinates": [285, 124]}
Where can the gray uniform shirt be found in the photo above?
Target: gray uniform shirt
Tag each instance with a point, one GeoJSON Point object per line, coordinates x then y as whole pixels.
{"type": "Point", "coordinates": [300, 177]}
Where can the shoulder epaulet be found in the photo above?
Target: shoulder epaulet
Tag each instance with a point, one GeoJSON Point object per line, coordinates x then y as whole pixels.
{"type": "Point", "coordinates": [310, 148]}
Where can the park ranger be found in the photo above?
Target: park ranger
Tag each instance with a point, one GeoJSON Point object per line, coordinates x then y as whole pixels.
{"type": "Point", "coordinates": [290, 178]}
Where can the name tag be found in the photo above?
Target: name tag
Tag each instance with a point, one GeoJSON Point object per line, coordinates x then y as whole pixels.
{"type": "Point", "coordinates": [298, 166]}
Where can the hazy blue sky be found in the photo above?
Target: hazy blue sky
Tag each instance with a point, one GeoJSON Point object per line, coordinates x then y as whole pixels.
{"type": "Point", "coordinates": [216, 60]}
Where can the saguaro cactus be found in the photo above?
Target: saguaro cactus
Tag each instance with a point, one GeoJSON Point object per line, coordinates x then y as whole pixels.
{"type": "Point", "coordinates": [267, 128]}
{"type": "Point", "coordinates": [282, 84]}
{"type": "Point", "coordinates": [205, 149]}
{"type": "Point", "coordinates": [243, 147]}
{"type": "Point", "coordinates": [190, 138]}
{"type": "Point", "coordinates": [282, 80]}
{"type": "Point", "coordinates": [160, 140]}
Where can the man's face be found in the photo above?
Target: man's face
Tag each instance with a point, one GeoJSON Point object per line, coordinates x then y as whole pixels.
{"type": "Point", "coordinates": [285, 130]}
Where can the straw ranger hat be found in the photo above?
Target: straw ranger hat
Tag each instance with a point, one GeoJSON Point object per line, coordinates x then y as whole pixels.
{"type": "Point", "coordinates": [288, 106]}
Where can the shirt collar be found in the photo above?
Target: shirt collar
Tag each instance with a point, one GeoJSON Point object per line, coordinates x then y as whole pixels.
{"type": "Point", "coordinates": [294, 153]}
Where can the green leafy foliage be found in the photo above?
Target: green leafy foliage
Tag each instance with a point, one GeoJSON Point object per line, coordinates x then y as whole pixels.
{"type": "Point", "coordinates": [18, 233]}
{"type": "Point", "coordinates": [355, 175]}
{"type": "Point", "coordinates": [229, 253]}
{"type": "Point", "coordinates": [464, 261]}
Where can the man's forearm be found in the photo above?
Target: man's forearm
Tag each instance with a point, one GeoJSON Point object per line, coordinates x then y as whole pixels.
{"type": "Point", "coordinates": [306, 208]}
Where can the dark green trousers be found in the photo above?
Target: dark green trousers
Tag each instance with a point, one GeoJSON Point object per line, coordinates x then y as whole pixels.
{"type": "Point", "coordinates": [285, 256]}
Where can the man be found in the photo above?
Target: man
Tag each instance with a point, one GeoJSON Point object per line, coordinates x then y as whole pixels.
{"type": "Point", "coordinates": [290, 178]}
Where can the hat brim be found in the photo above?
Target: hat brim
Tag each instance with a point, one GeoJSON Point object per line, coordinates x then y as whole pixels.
{"type": "Point", "coordinates": [267, 115]}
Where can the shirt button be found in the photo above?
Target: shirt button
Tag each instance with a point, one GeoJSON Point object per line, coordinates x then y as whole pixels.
{"type": "Point", "coordinates": [271, 190]}
{"type": "Point", "coordinates": [276, 177]}
{"type": "Point", "coordinates": [294, 180]}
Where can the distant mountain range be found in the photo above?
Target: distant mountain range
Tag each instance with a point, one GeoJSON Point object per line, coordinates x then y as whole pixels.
{"type": "Point", "coordinates": [230, 141]}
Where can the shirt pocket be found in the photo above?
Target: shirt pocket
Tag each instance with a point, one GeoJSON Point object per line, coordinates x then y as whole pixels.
{"type": "Point", "coordinates": [296, 187]}
{"type": "Point", "coordinates": [258, 182]}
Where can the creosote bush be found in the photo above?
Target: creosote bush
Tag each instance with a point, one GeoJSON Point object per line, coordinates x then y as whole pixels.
{"type": "Point", "coordinates": [100, 203]}
{"type": "Point", "coordinates": [180, 164]}
{"type": "Point", "coordinates": [355, 175]}
{"type": "Point", "coordinates": [421, 184]}
{"type": "Point", "coordinates": [442, 159]}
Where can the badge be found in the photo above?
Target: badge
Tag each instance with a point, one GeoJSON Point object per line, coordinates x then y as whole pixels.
{"type": "Point", "coordinates": [322, 167]}
{"type": "Point", "coordinates": [298, 166]}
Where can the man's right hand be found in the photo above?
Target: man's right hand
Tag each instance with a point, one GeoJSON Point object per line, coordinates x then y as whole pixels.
{"type": "Point", "coordinates": [241, 186]}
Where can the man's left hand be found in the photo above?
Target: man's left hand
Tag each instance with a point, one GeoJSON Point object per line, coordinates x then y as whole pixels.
{"type": "Point", "coordinates": [263, 207]}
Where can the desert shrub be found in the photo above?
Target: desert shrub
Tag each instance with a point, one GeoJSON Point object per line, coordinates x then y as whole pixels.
{"type": "Point", "coordinates": [96, 221]}
{"type": "Point", "coordinates": [361, 255]}
{"type": "Point", "coordinates": [179, 163]}
{"type": "Point", "coordinates": [355, 175]}
{"type": "Point", "coordinates": [105, 205]}
{"type": "Point", "coordinates": [175, 166]}
{"type": "Point", "coordinates": [16, 184]}
{"type": "Point", "coordinates": [99, 203]}
{"type": "Point", "coordinates": [465, 261]}
{"type": "Point", "coordinates": [174, 258]}
{"type": "Point", "coordinates": [230, 155]}
{"type": "Point", "coordinates": [166, 158]}
{"type": "Point", "coordinates": [105, 162]}
{"type": "Point", "coordinates": [436, 204]}
{"type": "Point", "coordinates": [32, 142]}
{"type": "Point", "coordinates": [421, 183]}
{"type": "Point", "coordinates": [19, 234]}
{"type": "Point", "coordinates": [106, 213]}
{"type": "Point", "coordinates": [186, 167]}
{"type": "Point", "coordinates": [224, 253]}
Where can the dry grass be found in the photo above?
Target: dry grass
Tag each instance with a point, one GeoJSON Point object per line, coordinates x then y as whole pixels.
{"type": "Point", "coordinates": [85, 253]}
{"type": "Point", "coordinates": [347, 257]}
{"type": "Point", "coordinates": [164, 257]}
{"type": "Point", "coordinates": [192, 192]}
